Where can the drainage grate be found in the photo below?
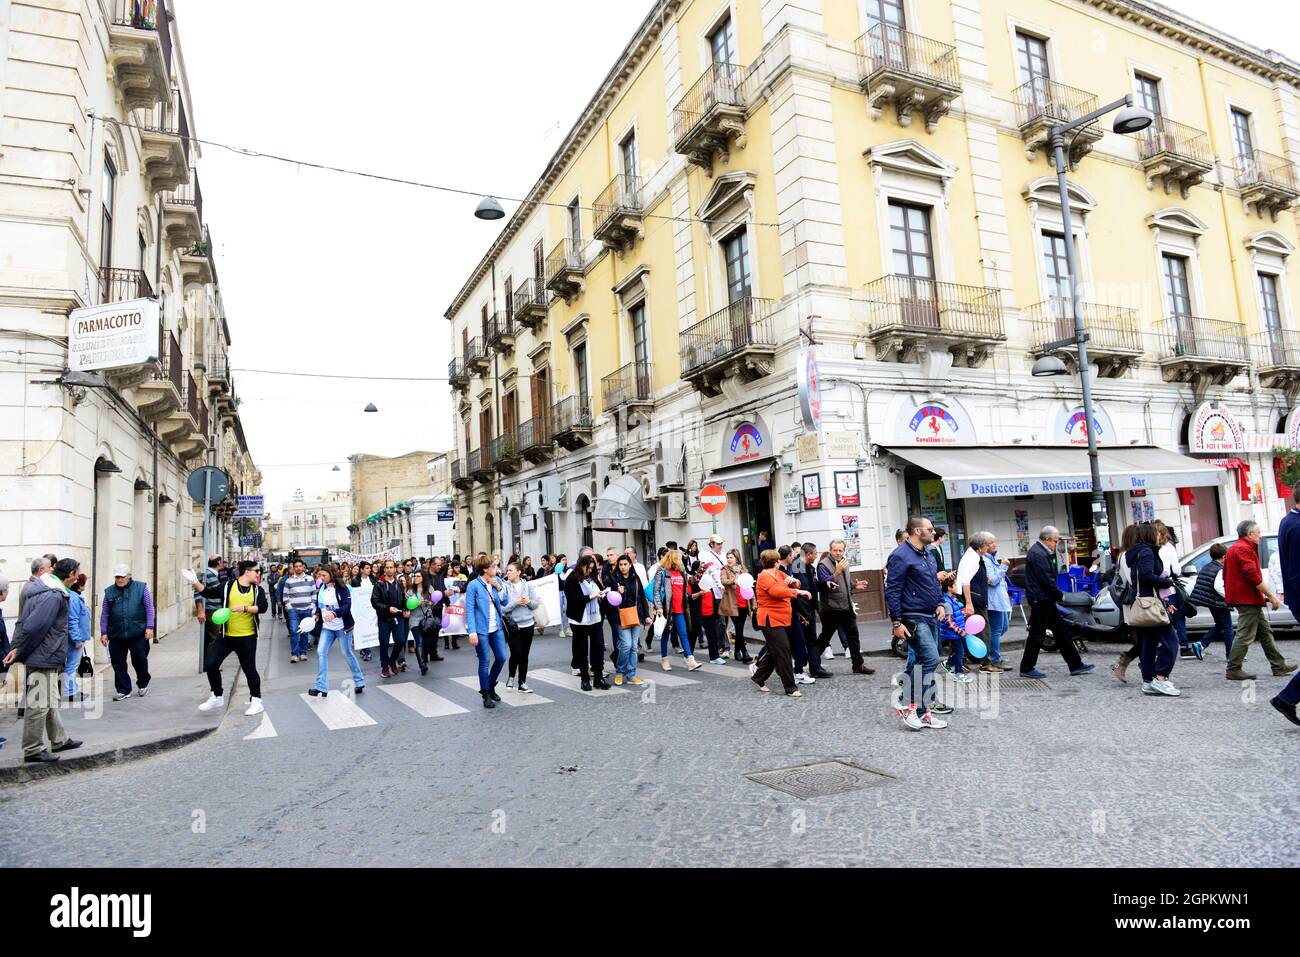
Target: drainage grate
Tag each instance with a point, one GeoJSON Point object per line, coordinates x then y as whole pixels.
{"type": "Point", "coordinates": [820, 780]}
{"type": "Point", "coordinates": [1022, 684]}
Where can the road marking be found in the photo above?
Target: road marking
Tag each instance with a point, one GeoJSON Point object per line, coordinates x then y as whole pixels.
{"type": "Point", "coordinates": [264, 730]}
{"type": "Point", "coordinates": [422, 701]}
{"type": "Point", "coordinates": [665, 679]}
{"type": "Point", "coordinates": [336, 712]}
{"type": "Point", "coordinates": [564, 680]}
{"type": "Point", "coordinates": [731, 671]}
{"type": "Point", "coordinates": [508, 695]}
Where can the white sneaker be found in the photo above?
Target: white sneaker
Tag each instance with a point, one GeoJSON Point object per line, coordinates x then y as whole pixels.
{"type": "Point", "coordinates": [254, 706]}
{"type": "Point", "coordinates": [1148, 688]}
{"type": "Point", "coordinates": [963, 678]}
{"type": "Point", "coordinates": [930, 721]}
{"type": "Point", "coordinates": [1165, 687]}
{"type": "Point", "coordinates": [510, 682]}
{"type": "Point", "coordinates": [909, 717]}
{"type": "Point", "coordinates": [524, 689]}
{"type": "Point", "coordinates": [576, 672]}
{"type": "Point", "coordinates": [142, 691]}
{"type": "Point", "coordinates": [828, 655]}
{"type": "Point", "coordinates": [213, 703]}
{"type": "Point", "coordinates": [799, 678]}
{"type": "Point", "coordinates": [808, 679]}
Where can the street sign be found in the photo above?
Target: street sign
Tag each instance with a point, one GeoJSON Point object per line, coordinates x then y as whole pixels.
{"type": "Point", "coordinates": [197, 482]}
{"type": "Point", "coordinates": [713, 499]}
{"type": "Point", "coordinates": [250, 506]}
{"type": "Point", "coordinates": [446, 515]}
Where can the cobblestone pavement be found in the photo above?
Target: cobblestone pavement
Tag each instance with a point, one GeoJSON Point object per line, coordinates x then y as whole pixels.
{"type": "Point", "coordinates": [1079, 771]}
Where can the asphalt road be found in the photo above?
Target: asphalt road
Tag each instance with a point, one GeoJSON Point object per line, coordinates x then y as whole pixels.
{"type": "Point", "coordinates": [1081, 771]}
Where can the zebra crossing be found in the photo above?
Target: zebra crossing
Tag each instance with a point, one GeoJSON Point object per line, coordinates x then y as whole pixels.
{"type": "Point", "coordinates": [293, 712]}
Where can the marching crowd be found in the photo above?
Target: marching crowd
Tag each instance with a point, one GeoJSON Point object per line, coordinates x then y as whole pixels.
{"type": "Point", "coordinates": [799, 599]}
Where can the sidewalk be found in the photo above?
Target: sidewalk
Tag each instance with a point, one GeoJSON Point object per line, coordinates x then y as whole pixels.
{"type": "Point", "coordinates": [114, 732]}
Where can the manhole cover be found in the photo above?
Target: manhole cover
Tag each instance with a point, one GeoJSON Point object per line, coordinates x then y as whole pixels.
{"type": "Point", "coordinates": [820, 780]}
{"type": "Point", "coordinates": [1022, 684]}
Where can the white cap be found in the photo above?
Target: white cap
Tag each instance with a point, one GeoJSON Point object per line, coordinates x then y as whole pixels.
{"type": "Point", "coordinates": [121, 571]}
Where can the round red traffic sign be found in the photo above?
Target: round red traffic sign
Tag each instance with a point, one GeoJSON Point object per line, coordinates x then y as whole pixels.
{"type": "Point", "coordinates": [713, 499]}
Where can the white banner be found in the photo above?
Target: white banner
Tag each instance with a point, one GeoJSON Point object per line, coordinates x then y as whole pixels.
{"type": "Point", "coordinates": [113, 336]}
{"type": "Point", "coordinates": [548, 594]}
{"type": "Point", "coordinates": [355, 559]}
{"type": "Point", "coordinates": [365, 633]}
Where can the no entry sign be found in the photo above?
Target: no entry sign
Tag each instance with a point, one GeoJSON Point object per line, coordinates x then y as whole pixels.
{"type": "Point", "coordinates": [713, 499]}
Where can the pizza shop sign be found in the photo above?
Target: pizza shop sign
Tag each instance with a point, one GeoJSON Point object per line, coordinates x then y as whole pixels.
{"type": "Point", "coordinates": [1214, 431]}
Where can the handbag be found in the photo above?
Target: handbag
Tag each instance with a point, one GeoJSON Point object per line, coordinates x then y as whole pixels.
{"type": "Point", "coordinates": [628, 617]}
{"type": "Point", "coordinates": [1184, 600]}
{"type": "Point", "coordinates": [1149, 612]}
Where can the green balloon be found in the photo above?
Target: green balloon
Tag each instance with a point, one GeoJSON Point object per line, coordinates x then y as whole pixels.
{"type": "Point", "coordinates": [221, 616]}
{"type": "Point", "coordinates": [413, 603]}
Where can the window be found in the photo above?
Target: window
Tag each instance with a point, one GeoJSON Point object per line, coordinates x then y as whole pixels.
{"type": "Point", "coordinates": [630, 160]}
{"type": "Point", "coordinates": [888, 12]}
{"type": "Point", "coordinates": [580, 370]}
{"type": "Point", "coordinates": [1241, 139]}
{"type": "Point", "coordinates": [739, 276]}
{"type": "Point", "coordinates": [909, 228]}
{"type": "Point", "coordinates": [1178, 296]}
{"type": "Point", "coordinates": [640, 349]}
{"type": "Point", "coordinates": [1270, 305]}
{"type": "Point", "coordinates": [1057, 266]}
{"type": "Point", "coordinates": [1148, 94]}
{"type": "Point", "coordinates": [541, 397]}
{"type": "Point", "coordinates": [510, 413]}
{"type": "Point", "coordinates": [485, 322]}
{"type": "Point", "coordinates": [143, 247]}
{"type": "Point", "coordinates": [722, 42]}
{"type": "Point", "coordinates": [1031, 56]}
{"type": "Point", "coordinates": [575, 224]}
{"type": "Point", "coordinates": [539, 263]}
{"type": "Point", "coordinates": [108, 190]}
{"type": "Point", "coordinates": [510, 297]}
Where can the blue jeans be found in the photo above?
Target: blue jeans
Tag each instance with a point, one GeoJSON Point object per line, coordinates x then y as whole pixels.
{"type": "Point", "coordinates": [957, 660]}
{"type": "Point", "coordinates": [999, 622]}
{"type": "Point", "coordinates": [1222, 629]}
{"type": "Point", "coordinates": [1179, 621]}
{"type": "Point", "coordinates": [676, 622]}
{"type": "Point", "coordinates": [923, 646]}
{"type": "Point", "coordinates": [70, 672]}
{"type": "Point", "coordinates": [487, 677]}
{"type": "Point", "coordinates": [297, 643]}
{"type": "Point", "coordinates": [629, 640]}
{"type": "Point", "coordinates": [327, 638]}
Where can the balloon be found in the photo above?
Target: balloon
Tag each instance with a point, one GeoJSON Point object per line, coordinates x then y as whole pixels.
{"type": "Point", "coordinates": [446, 620]}
{"type": "Point", "coordinates": [614, 598]}
{"type": "Point", "coordinates": [747, 593]}
{"type": "Point", "coordinates": [435, 596]}
{"type": "Point", "coordinates": [221, 616]}
{"type": "Point", "coordinates": [975, 624]}
{"type": "Point", "coordinates": [413, 602]}
{"type": "Point", "coordinates": [976, 647]}
{"type": "Point", "coordinates": [745, 581]}
{"type": "Point", "coordinates": [559, 568]}
{"type": "Point", "coordinates": [306, 626]}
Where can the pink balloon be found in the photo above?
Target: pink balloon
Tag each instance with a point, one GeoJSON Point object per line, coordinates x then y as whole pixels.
{"type": "Point", "coordinates": [614, 598]}
{"type": "Point", "coordinates": [975, 624]}
{"type": "Point", "coordinates": [747, 594]}
{"type": "Point", "coordinates": [435, 596]}
{"type": "Point", "coordinates": [446, 620]}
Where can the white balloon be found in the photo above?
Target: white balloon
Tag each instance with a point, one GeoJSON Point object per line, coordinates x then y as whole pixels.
{"type": "Point", "coordinates": [189, 576]}
{"type": "Point", "coordinates": [306, 626]}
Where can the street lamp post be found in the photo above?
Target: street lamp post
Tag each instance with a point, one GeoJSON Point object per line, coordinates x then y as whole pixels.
{"type": "Point", "coordinates": [1130, 120]}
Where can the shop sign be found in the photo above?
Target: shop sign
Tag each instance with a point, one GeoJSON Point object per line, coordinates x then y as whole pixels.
{"type": "Point", "coordinates": [934, 424]}
{"type": "Point", "coordinates": [812, 492]}
{"type": "Point", "coordinates": [113, 336]}
{"type": "Point", "coordinates": [1214, 430]}
{"type": "Point", "coordinates": [809, 448]}
{"type": "Point", "coordinates": [1293, 430]}
{"type": "Point", "coordinates": [747, 442]}
{"type": "Point", "coordinates": [843, 445]}
{"type": "Point", "coordinates": [1071, 427]}
{"type": "Point", "coordinates": [810, 390]}
{"type": "Point", "coordinates": [847, 493]}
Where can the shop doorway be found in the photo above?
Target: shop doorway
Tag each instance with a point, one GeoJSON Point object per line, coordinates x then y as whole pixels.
{"type": "Point", "coordinates": [755, 517]}
{"type": "Point", "coordinates": [1206, 517]}
{"type": "Point", "coordinates": [926, 497]}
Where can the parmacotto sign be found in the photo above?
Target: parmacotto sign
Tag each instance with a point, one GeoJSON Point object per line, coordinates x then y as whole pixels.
{"type": "Point", "coordinates": [113, 336]}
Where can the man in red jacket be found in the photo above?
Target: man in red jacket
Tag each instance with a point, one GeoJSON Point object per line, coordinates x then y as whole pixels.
{"type": "Point", "coordinates": [1245, 588]}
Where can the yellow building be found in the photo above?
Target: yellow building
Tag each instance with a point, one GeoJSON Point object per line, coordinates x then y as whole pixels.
{"type": "Point", "coordinates": [873, 173]}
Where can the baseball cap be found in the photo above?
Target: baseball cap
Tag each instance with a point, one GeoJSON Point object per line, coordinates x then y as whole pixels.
{"type": "Point", "coordinates": [121, 571]}
{"type": "Point", "coordinates": [715, 539]}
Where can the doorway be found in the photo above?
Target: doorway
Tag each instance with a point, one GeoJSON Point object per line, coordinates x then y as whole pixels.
{"type": "Point", "coordinates": [755, 517]}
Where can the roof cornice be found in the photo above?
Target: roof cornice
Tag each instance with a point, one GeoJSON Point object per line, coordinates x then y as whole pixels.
{"type": "Point", "coordinates": [629, 61]}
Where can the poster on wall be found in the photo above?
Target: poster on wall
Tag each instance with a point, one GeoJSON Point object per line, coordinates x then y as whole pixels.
{"type": "Point", "coordinates": [1148, 510]}
{"type": "Point", "coordinates": [934, 506]}
{"type": "Point", "coordinates": [847, 494]}
{"type": "Point", "coordinates": [812, 492]}
{"type": "Point", "coordinates": [1022, 531]}
{"type": "Point", "coordinates": [852, 538]}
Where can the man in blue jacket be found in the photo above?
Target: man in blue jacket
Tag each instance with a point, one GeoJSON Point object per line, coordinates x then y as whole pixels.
{"type": "Point", "coordinates": [1288, 546]}
{"type": "Point", "coordinates": [916, 606]}
{"type": "Point", "coordinates": [1043, 594]}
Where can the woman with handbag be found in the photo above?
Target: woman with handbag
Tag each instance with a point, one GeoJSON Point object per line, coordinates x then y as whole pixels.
{"type": "Point", "coordinates": [633, 614]}
{"type": "Point", "coordinates": [669, 590]}
{"type": "Point", "coordinates": [734, 605]}
{"type": "Point", "coordinates": [425, 620]}
{"type": "Point", "coordinates": [485, 607]}
{"type": "Point", "coordinates": [520, 624]}
{"type": "Point", "coordinates": [1149, 613]}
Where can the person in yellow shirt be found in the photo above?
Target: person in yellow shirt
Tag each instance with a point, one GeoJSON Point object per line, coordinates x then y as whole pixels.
{"type": "Point", "coordinates": [246, 600]}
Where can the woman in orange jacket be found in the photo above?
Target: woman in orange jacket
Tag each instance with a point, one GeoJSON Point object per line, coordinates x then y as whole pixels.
{"type": "Point", "coordinates": [773, 592]}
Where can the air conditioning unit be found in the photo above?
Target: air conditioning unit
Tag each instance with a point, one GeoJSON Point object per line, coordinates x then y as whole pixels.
{"type": "Point", "coordinates": [554, 494]}
{"type": "Point", "coordinates": [670, 472]}
{"type": "Point", "coordinates": [673, 507]}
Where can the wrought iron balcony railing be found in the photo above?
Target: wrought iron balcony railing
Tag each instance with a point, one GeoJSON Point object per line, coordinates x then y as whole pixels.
{"type": "Point", "coordinates": [722, 87]}
{"type": "Point", "coordinates": [501, 331]}
{"type": "Point", "coordinates": [537, 432]}
{"type": "Point", "coordinates": [530, 302]}
{"type": "Point", "coordinates": [618, 202]}
{"type": "Point", "coordinates": [146, 15]}
{"type": "Point", "coordinates": [1258, 168]}
{"type": "Point", "coordinates": [1110, 329]}
{"type": "Point", "coordinates": [889, 49]}
{"type": "Point", "coordinates": [564, 266]}
{"type": "Point", "coordinates": [1165, 136]}
{"type": "Point", "coordinates": [188, 194]}
{"type": "Point", "coordinates": [1203, 340]}
{"type": "Point", "coordinates": [1041, 100]}
{"type": "Point", "coordinates": [170, 363]}
{"type": "Point", "coordinates": [573, 414]}
{"type": "Point", "coordinates": [476, 354]}
{"type": "Point", "coordinates": [123, 285]}
{"type": "Point", "coordinates": [725, 334]}
{"type": "Point", "coordinates": [632, 383]}
{"type": "Point", "coordinates": [457, 374]}
{"type": "Point", "coordinates": [1277, 349]}
{"type": "Point", "coordinates": [911, 305]}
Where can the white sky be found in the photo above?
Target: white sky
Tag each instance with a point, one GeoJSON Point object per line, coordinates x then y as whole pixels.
{"type": "Point", "coordinates": [335, 274]}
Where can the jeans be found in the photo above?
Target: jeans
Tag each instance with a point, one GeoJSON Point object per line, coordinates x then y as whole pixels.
{"type": "Point", "coordinates": [496, 642]}
{"type": "Point", "coordinates": [138, 649]}
{"type": "Point", "coordinates": [519, 649]}
{"type": "Point", "coordinates": [245, 649]}
{"type": "Point", "coordinates": [923, 646]}
{"type": "Point", "coordinates": [999, 622]}
{"type": "Point", "coordinates": [1252, 623]}
{"type": "Point", "coordinates": [1291, 693]}
{"type": "Point", "coordinates": [676, 624]}
{"type": "Point", "coordinates": [1159, 651]}
{"type": "Point", "coordinates": [1043, 615]}
{"type": "Point", "coordinates": [1222, 629]}
{"type": "Point", "coordinates": [799, 643]}
{"type": "Point", "coordinates": [297, 642]}
{"type": "Point", "coordinates": [957, 660]}
{"type": "Point", "coordinates": [629, 641]}
{"type": "Point", "coordinates": [1179, 620]}
{"type": "Point", "coordinates": [327, 638]}
{"type": "Point", "coordinates": [70, 672]}
{"type": "Point", "coordinates": [391, 631]}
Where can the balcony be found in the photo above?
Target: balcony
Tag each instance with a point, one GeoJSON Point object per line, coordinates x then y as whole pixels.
{"type": "Point", "coordinates": [477, 360]}
{"type": "Point", "coordinates": [1267, 182]}
{"type": "Point", "coordinates": [574, 422]}
{"type": "Point", "coordinates": [566, 275]}
{"type": "Point", "coordinates": [619, 214]}
{"type": "Point", "coordinates": [182, 428]}
{"type": "Point", "coordinates": [1202, 352]}
{"type": "Point", "coordinates": [183, 214]}
{"type": "Point", "coordinates": [632, 387]}
{"type": "Point", "coordinates": [164, 391]}
{"type": "Point", "coordinates": [458, 375]}
{"type": "Point", "coordinates": [165, 146]}
{"type": "Point", "coordinates": [480, 466]}
{"type": "Point", "coordinates": [219, 380]}
{"type": "Point", "coordinates": [504, 453]}
{"type": "Point", "coordinates": [910, 317]}
{"type": "Point", "coordinates": [911, 72]}
{"type": "Point", "coordinates": [1042, 104]}
{"type": "Point", "coordinates": [502, 333]}
{"type": "Point", "coordinates": [1174, 155]}
{"type": "Point", "coordinates": [140, 53]}
{"type": "Point", "coordinates": [196, 262]}
{"type": "Point", "coordinates": [1114, 334]}
{"type": "Point", "coordinates": [123, 285]}
{"type": "Point", "coordinates": [536, 438]}
{"type": "Point", "coordinates": [736, 342]}
{"type": "Point", "coordinates": [459, 477]}
{"type": "Point", "coordinates": [1277, 357]}
{"type": "Point", "coordinates": [711, 116]}
{"type": "Point", "coordinates": [530, 303]}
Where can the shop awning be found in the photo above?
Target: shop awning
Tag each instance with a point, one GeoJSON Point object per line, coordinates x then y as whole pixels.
{"type": "Point", "coordinates": [743, 478]}
{"type": "Point", "coordinates": [1007, 471]}
{"type": "Point", "coordinates": [622, 506]}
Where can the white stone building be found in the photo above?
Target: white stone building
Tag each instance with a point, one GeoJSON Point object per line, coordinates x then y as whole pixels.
{"type": "Point", "coordinates": [317, 523]}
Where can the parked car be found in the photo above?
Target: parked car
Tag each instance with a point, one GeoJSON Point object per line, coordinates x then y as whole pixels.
{"type": "Point", "coordinates": [1282, 620]}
